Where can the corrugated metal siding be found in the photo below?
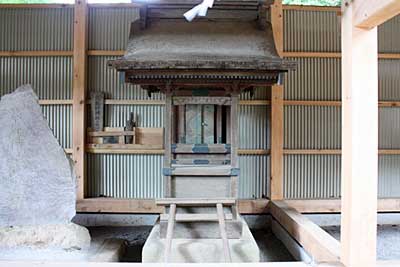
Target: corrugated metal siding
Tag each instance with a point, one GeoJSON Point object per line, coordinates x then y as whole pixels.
{"type": "Point", "coordinates": [254, 125]}
{"type": "Point", "coordinates": [50, 77]}
{"type": "Point", "coordinates": [254, 174]}
{"type": "Point", "coordinates": [312, 127]}
{"type": "Point", "coordinates": [312, 176]}
{"type": "Point", "coordinates": [389, 79]}
{"type": "Point", "coordinates": [148, 115]}
{"type": "Point", "coordinates": [140, 176]}
{"type": "Point", "coordinates": [125, 176]}
{"type": "Point", "coordinates": [60, 121]}
{"type": "Point", "coordinates": [105, 79]}
{"type": "Point", "coordinates": [389, 128]}
{"type": "Point", "coordinates": [389, 36]}
{"type": "Point", "coordinates": [314, 79]}
{"type": "Point", "coordinates": [109, 27]}
{"type": "Point", "coordinates": [310, 31]}
{"type": "Point", "coordinates": [36, 29]}
{"type": "Point", "coordinates": [389, 176]}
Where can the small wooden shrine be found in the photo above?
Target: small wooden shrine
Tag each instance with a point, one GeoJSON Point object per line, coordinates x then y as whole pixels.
{"type": "Point", "coordinates": [201, 67]}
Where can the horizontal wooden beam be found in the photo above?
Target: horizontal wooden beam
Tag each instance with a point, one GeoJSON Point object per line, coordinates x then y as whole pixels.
{"type": "Point", "coordinates": [36, 5]}
{"type": "Point", "coordinates": [93, 150]}
{"type": "Point", "coordinates": [300, 54]}
{"type": "Point", "coordinates": [148, 206]}
{"type": "Point", "coordinates": [319, 244]}
{"type": "Point", "coordinates": [333, 151]}
{"type": "Point", "coordinates": [369, 14]}
{"type": "Point", "coordinates": [334, 205]}
{"type": "Point", "coordinates": [311, 103]}
{"type": "Point", "coordinates": [45, 102]}
{"type": "Point", "coordinates": [311, 8]}
{"type": "Point", "coordinates": [34, 53]}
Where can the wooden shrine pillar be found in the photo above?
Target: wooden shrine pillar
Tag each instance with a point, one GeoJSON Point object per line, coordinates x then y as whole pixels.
{"type": "Point", "coordinates": [79, 94]}
{"type": "Point", "coordinates": [359, 142]}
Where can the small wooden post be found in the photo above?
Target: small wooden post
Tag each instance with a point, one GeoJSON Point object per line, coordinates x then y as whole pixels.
{"type": "Point", "coordinates": [79, 94]}
{"type": "Point", "coordinates": [359, 141]}
{"type": "Point", "coordinates": [168, 137]}
{"type": "Point", "coordinates": [170, 232]}
{"type": "Point", "coordinates": [234, 115]}
{"type": "Point", "coordinates": [277, 142]}
{"type": "Point", "coordinates": [222, 229]}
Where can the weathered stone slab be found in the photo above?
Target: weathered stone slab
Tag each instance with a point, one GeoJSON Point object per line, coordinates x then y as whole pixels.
{"type": "Point", "coordinates": [66, 236]}
{"type": "Point", "coordinates": [37, 184]}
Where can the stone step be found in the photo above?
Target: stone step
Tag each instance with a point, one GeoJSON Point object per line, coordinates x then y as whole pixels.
{"type": "Point", "coordinates": [201, 170]}
{"type": "Point", "coordinates": [201, 148]}
{"type": "Point", "coordinates": [197, 202]}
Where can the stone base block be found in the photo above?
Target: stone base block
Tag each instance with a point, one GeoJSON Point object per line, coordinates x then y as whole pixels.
{"type": "Point", "coordinates": [65, 236]}
{"type": "Point", "coordinates": [244, 249]}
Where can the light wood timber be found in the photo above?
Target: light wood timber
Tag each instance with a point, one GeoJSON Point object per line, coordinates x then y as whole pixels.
{"type": "Point", "coordinates": [318, 243]}
{"type": "Point", "coordinates": [187, 217]}
{"type": "Point", "coordinates": [277, 25]}
{"type": "Point", "coordinates": [195, 202]}
{"type": "Point", "coordinates": [311, 8]}
{"type": "Point", "coordinates": [369, 14]}
{"type": "Point", "coordinates": [79, 94]}
{"type": "Point", "coordinates": [44, 102]}
{"type": "Point", "coordinates": [359, 140]}
{"type": "Point", "coordinates": [311, 103]}
{"type": "Point", "coordinates": [170, 232]}
{"type": "Point", "coordinates": [277, 142]}
{"type": "Point", "coordinates": [222, 229]}
{"type": "Point", "coordinates": [312, 151]}
{"type": "Point", "coordinates": [115, 205]}
{"type": "Point", "coordinates": [35, 53]}
{"type": "Point", "coordinates": [167, 138]}
{"type": "Point", "coordinates": [334, 205]}
{"type": "Point", "coordinates": [234, 124]}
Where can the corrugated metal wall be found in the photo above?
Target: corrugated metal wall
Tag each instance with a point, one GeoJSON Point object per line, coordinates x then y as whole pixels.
{"type": "Point", "coordinates": [139, 176]}
{"type": "Point", "coordinates": [35, 29]}
{"type": "Point", "coordinates": [318, 176]}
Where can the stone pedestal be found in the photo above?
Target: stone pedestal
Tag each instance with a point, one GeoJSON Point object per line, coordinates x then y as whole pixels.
{"type": "Point", "coordinates": [201, 250]}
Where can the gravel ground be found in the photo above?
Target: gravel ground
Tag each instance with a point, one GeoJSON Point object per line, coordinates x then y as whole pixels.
{"type": "Point", "coordinates": [388, 242]}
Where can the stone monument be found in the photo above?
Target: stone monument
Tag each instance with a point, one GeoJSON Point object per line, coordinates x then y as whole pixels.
{"type": "Point", "coordinates": [37, 181]}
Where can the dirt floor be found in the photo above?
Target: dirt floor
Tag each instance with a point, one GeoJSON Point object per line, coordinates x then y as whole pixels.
{"type": "Point", "coordinates": [271, 248]}
{"type": "Point", "coordinates": [388, 242]}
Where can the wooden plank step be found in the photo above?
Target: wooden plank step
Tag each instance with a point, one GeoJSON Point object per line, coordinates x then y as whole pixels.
{"type": "Point", "coordinates": [204, 170]}
{"type": "Point", "coordinates": [201, 148]}
{"type": "Point", "coordinates": [195, 217]}
{"type": "Point", "coordinates": [198, 202]}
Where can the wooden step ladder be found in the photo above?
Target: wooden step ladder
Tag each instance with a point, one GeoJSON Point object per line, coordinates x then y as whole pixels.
{"type": "Point", "coordinates": [173, 217]}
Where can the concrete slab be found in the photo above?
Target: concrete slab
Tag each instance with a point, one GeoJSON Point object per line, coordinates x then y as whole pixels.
{"type": "Point", "coordinates": [244, 249]}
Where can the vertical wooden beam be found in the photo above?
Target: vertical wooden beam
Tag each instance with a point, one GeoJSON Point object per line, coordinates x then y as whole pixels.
{"type": "Point", "coordinates": [359, 141]}
{"type": "Point", "coordinates": [277, 142]}
{"type": "Point", "coordinates": [168, 138]}
{"type": "Point", "coordinates": [277, 25]}
{"type": "Point", "coordinates": [234, 132]}
{"type": "Point", "coordinates": [79, 94]}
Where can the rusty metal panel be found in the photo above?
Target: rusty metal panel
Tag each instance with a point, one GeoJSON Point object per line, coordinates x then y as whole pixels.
{"type": "Point", "coordinates": [32, 29]}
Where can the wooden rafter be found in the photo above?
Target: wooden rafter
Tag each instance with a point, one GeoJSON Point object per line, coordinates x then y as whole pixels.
{"type": "Point", "coordinates": [369, 14]}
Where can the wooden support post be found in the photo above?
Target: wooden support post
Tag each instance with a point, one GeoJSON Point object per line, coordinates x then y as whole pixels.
{"type": "Point", "coordinates": [168, 137]}
{"type": "Point", "coordinates": [222, 229]}
{"type": "Point", "coordinates": [234, 117]}
{"type": "Point", "coordinates": [277, 25]}
{"type": "Point", "coordinates": [79, 94]}
{"type": "Point", "coordinates": [359, 141]}
{"type": "Point", "coordinates": [277, 142]}
{"type": "Point", "coordinates": [170, 231]}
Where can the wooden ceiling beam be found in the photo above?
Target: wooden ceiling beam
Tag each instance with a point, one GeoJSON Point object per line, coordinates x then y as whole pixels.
{"type": "Point", "coordinates": [369, 14]}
